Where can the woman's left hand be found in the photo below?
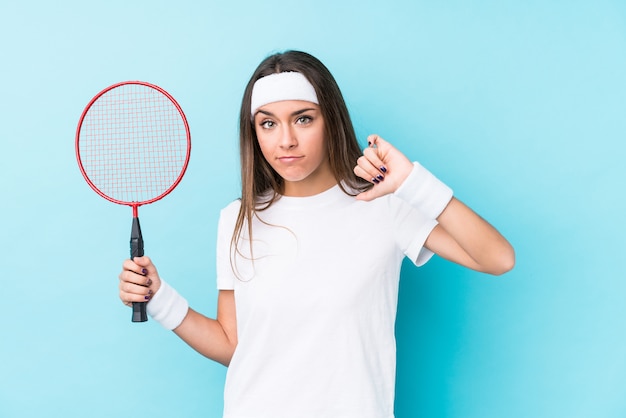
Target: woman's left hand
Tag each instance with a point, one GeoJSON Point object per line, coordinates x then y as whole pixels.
{"type": "Point", "coordinates": [382, 165]}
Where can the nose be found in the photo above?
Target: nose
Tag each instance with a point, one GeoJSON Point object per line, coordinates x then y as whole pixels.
{"type": "Point", "coordinates": [288, 138]}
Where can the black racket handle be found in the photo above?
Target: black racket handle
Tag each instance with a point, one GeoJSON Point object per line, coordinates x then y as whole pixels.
{"type": "Point", "coordinates": [136, 250]}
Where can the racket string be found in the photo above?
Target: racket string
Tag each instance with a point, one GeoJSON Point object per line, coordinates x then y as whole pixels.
{"type": "Point", "coordinates": [133, 143]}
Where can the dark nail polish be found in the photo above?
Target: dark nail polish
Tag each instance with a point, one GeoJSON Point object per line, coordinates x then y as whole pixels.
{"type": "Point", "coordinates": [149, 291]}
{"type": "Point", "coordinates": [383, 168]}
{"type": "Point", "coordinates": [375, 180]}
{"type": "Point", "coordinates": [144, 271]}
{"type": "Point", "coordinates": [149, 282]}
{"type": "Point", "coordinates": [147, 297]}
{"type": "Point", "coordinates": [379, 177]}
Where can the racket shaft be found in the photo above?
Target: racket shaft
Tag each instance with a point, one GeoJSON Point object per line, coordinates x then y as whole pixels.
{"type": "Point", "coordinates": [136, 250]}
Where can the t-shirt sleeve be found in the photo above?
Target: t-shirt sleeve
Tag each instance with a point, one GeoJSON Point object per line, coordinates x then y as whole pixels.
{"type": "Point", "coordinates": [411, 229]}
{"type": "Point", "coordinates": [226, 225]}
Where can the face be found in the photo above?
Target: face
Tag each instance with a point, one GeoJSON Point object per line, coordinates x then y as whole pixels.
{"type": "Point", "coordinates": [291, 138]}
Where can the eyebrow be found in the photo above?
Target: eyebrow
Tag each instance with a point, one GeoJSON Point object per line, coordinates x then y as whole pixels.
{"type": "Point", "coordinates": [296, 113]}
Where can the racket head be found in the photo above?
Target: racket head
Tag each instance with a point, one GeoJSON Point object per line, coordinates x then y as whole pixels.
{"type": "Point", "coordinates": [133, 143]}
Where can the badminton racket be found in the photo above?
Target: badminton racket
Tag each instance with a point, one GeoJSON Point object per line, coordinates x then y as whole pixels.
{"type": "Point", "coordinates": [133, 145]}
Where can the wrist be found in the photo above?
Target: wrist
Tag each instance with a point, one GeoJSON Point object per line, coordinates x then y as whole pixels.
{"type": "Point", "coordinates": [167, 307]}
{"type": "Point", "coordinates": [425, 192]}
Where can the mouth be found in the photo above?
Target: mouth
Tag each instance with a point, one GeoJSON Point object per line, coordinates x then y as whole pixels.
{"type": "Point", "coordinates": [289, 158]}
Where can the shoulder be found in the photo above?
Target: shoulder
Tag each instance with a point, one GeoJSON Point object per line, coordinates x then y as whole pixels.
{"type": "Point", "coordinates": [229, 213]}
{"type": "Point", "coordinates": [232, 207]}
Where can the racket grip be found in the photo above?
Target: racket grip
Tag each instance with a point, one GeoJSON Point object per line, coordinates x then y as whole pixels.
{"type": "Point", "coordinates": [139, 312]}
{"type": "Point", "coordinates": [136, 250]}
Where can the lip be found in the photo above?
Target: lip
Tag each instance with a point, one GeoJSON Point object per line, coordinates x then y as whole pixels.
{"type": "Point", "coordinates": [289, 158]}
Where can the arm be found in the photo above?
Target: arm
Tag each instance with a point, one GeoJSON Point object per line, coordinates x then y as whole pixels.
{"type": "Point", "coordinates": [461, 236]}
{"type": "Point", "coordinates": [465, 238]}
{"type": "Point", "coordinates": [213, 338]}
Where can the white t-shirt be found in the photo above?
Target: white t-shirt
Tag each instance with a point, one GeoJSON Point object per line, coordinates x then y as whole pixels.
{"type": "Point", "coordinates": [316, 309]}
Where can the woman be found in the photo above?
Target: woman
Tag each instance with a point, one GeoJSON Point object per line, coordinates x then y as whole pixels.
{"type": "Point", "coordinates": [308, 260]}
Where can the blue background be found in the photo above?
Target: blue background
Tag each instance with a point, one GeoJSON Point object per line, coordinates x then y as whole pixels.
{"type": "Point", "coordinates": [519, 106]}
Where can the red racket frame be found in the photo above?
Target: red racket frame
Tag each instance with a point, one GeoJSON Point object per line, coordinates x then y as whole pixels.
{"type": "Point", "coordinates": [134, 205]}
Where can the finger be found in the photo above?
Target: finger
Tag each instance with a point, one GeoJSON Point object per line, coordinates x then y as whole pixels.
{"type": "Point", "coordinates": [140, 265]}
{"type": "Point", "coordinates": [130, 276]}
{"type": "Point", "coordinates": [135, 289]}
{"type": "Point", "coordinates": [379, 145]}
{"type": "Point", "coordinates": [372, 140]}
{"type": "Point", "coordinates": [134, 267]}
{"type": "Point", "coordinates": [375, 158]}
{"type": "Point", "coordinates": [145, 264]}
{"type": "Point", "coordinates": [367, 171]}
{"type": "Point", "coordinates": [374, 179]}
{"type": "Point", "coordinates": [376, 141]}
{"type": "Point", "coordinates": [143, 261]}
{"type": "Point", "coordinates": [130, 292]}
{"type": "Point", "coordinates": [128, 298]}
{"type": "Point", "coordinates": [148, 269]}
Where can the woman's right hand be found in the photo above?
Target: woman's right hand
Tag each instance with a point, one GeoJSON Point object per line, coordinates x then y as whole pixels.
{"type": "Point", "coordinates": [139, 280]}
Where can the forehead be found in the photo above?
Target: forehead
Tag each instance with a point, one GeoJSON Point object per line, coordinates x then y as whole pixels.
{"type": "Point", "coordinates": [287, 107]}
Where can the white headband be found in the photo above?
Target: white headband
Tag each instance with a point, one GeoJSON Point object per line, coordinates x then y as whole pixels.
{"type": "Point", "coordinates": [281, 86]}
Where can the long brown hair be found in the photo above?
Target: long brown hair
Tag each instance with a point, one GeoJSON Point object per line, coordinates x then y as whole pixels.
{"type": "Point", "coordinates": [258, 178]}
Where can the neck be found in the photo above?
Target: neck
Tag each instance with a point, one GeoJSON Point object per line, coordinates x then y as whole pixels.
{"type": "Point", "coordinates": [315, 184]}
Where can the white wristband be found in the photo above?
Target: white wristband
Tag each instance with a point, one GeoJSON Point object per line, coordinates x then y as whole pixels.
{"type": "Point", "coordinates": [425, 192]}
{"type": "Point", "coordinates": [167, 307]}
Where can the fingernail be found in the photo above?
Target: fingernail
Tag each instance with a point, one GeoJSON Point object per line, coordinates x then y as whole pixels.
{"type": "Point", "coordinates": [149, 291]}
{"type": "Point", "coordinates": [144, 271]}
{"type": "Point", "coordinates": [149, 282]}
{"type": "Point", "coordinates": [383, 168]}
{"type": "Point", "coordinates": [375, 180]}
{"type": "Point", "coordinates": [147, 297]}
{"type": "Point", "coordinates": [379, 177]}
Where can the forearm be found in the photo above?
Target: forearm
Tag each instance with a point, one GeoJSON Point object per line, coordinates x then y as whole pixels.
{"type": "Point", "coordinates": [213, 338]}
{"type": "Point", "coordinates": [486, 248]}
{"type": "Point", "coordinates": [207, 336]}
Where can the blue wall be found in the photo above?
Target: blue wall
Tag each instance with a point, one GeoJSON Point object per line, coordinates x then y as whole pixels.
{"type": "Point", "coordinates": [519, 106]}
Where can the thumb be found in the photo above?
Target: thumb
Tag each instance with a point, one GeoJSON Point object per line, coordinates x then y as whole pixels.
{"type": "Point", "coordinates": [376, 141]}
{"type": "Point", "coordinates": [143, 261]}
{"type": "Point", "coordinates": [366, 196]}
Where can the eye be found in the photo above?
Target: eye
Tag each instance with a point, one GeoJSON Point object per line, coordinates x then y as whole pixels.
{"type": "Point", "coordinates": [303, 120]}
{"type": "Point", "coordinates": [267, 124]}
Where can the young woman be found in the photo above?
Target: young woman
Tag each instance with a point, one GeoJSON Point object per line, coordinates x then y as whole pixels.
{"type": "Point", "coordinates": [308, 260]}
